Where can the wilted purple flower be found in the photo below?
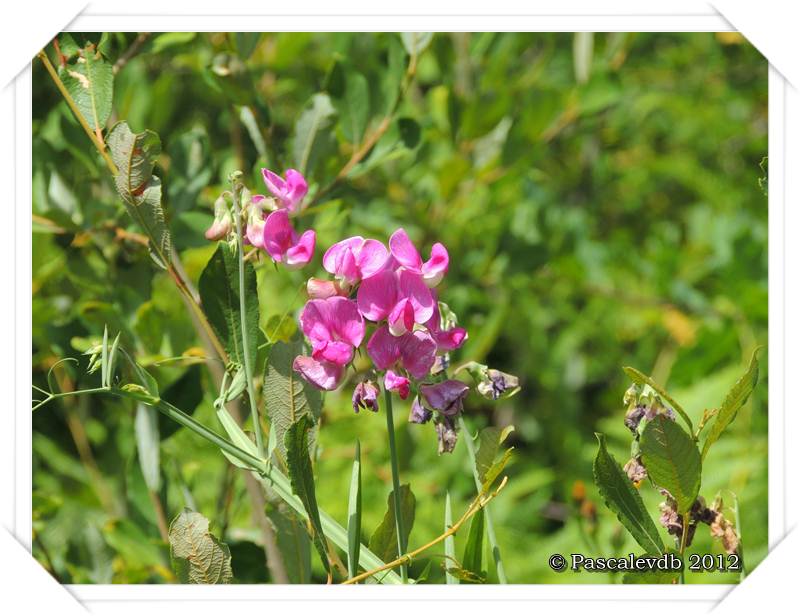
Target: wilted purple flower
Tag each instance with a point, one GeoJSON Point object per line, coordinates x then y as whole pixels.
{"type": "Point", "coordinates": [365, 396]}
{"type": "Point", "coordinates": [633, 417]}
{"type": "Point", "coordinates": [446, 397]}
{"type": "Point", "coordinates": [447, 433]}
{"type": "Point", "coordinates": [497, 384]}
{"type": "Point", "coordinates": [635, 471]}
{"type": "Point", "coordinates": [419, 414]}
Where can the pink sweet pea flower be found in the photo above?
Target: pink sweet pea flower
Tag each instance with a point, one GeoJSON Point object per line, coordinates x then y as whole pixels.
{"type": "Point", "coordinates": [283, 244]}
{"type": "Point", "coordinates": [334, 326]}
{"type": "Point", "coordinates": [288, 192]}
{"type": "Point", "coordinates": [354, 259]}
{"type": "Point", "coordinates": [321, 374]}
{"type": "Point", "coordinates": [406, 255]}
{"type": "Point", "coordinates": [446, 339]}
{"type": "Point", "coordinates": [254, 234]}
{"type": "Point", "coordinates": [416, 351]}
{"type": "Point", "coordinates": [400, 297]}
{"type": "Point", "coordinates": [395, 382]}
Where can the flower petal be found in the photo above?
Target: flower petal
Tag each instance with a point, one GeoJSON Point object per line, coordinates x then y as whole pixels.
{"type": "Point", "coordinates": [418, 351]}
{"type": "Point", "coordinates": [383, 348]}
{"type": "Point", "coordinates": [371, 258]}
{"type": "Point", "coordinates": [303, 251]}
{"type": "Point", "coordinates": [434, 269]}
{"type": "Point", "coordinates": [296, 188]}
{"type": "Point", "coordinates": [413, 287]}
{"type": "Point", "coordinates": [346, 321]}
{"type": "Point", "coordinates": [377, 295]}
{"type": "Point", "coordinates": [397, 383]}
{"type": "Point", "coordinates": [275, 183]}
{"type": "Point", "coordinates": [321, 289]}
{"type": "Point", "coordinates": [278, 235]}
{"type": "Point", "coordinates": [404, 251]}
{"type": "Point", "coordinates": [321, 374]}
{"type": "Point", "coordinates": [446, 397]}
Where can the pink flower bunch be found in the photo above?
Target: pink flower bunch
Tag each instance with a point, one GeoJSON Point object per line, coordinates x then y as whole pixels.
{"type": "Point", "coordinates": [391, 292]}
{"type": "Point", "coordinates": [268, 220]}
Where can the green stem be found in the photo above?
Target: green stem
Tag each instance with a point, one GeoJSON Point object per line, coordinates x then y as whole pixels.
{"type": "Point", "coordinates": [487, 516]}
{"type": "Point", "coordinates": [248, 368]}
{"type": "Point", "coordinates": [684, 540]}
{"type": "Point", "coordinates": [398, 518]}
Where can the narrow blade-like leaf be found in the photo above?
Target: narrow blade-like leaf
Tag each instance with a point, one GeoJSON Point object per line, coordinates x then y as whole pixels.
{"type": "Point", "coordinates": [354, 515]}
{"type": "Point", "coordinates": [449, 543]}
{"type": "Point", "coordinates": [314, 119]}
{"type": "Point", "coordinates": [621, 497]}
{"type": "Point", "coordinates": [384, 540]}
{"type": "Point", "coordinates": [473, 550]}
{"type": "Point", "coordinates": [148, 445]}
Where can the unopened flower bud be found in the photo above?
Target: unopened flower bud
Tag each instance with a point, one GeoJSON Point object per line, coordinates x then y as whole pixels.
{"type": "Point", "coordinates": [365, 396]}
{"type": "Point", "coordinates": [318, 288]}
{"type": "Point", "coordinates": [221, 226]}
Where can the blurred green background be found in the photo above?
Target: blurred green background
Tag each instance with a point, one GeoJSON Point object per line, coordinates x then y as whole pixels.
{"type": "Point", "coordinates": [599, 197]}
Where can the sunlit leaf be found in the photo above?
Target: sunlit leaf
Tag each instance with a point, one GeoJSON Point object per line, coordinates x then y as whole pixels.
{"type": "Point", "coordinates": [198, 557]}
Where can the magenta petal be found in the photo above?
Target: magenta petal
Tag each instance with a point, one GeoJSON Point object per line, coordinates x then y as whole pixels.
{"type": "Point", "coordinates": [336, 352]}
{"type": "Point", "coordinates": [334, 254]}
{"type": "Point", "coordinates": [274, 182]}
{"type": "Point", "coordinates": [346, 321]}
{"type": "Point", "coordinates": [371, 257]}
{"type": "Point", "coordinates": [404, 251]}
{"type": "Point", "coordinates": [321, 289]}
{"type": "Point", "coordinates": [315, 321]}
{"type": "Point", "coordinates": [451, 339]}
{"type": "Point", "coordinates": [434, 269]}
{"type": "Point", "coordinates": [395, 382]}
{"type": "Point", "coordinates": [377, 295]}
{"type": "Point", "coordinates": [255, 233]}
{"type": "Point", "coordinates": [383, 348]}
{"type": "Point", "coordinates": [303, 251]}
{"type": "Point", "coordinates": [413, 287]}
{"type": "Point", "coordinates": [296, 188]}
{"type": "Point", "coordinates": [278, 234]}
{"type": "Point", "coordinates": [321, 374]}
{"type": "Point", "coordinates": [418, 351]}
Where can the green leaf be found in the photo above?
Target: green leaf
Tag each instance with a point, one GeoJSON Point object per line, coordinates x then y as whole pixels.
{"type": "Point", "coordinates": [219, 293]}
{"type": "Point", "coordinates": [198, 557]}
{"type": "Point", "coordinates": [287, 396]}
{"type": "Point", "coordinates": [416, 42]}
{"type": "Point", "coordinates": [89, 79]}
{"type": "Point", "coordinates": [293, 543]}
{"type": "Point", "coordinates": [642, 379]}
{"type": "Point", "coordinates": [246, 43]}
{"type": "Point", "coordinates": [302, 477]}
{"type": "Point", "coordinates": [356, 107]}
{"type": "Point", "coordinates": [672, 460]}
{"type": "Point", "coordinates": [449, 542]}
{"type": "Point", "coordinates": [135, 156]}
{"type": "Point", "coordinates": [238, 438]}
{"type": "Point", "coordinates": [490, 440]}
{"type": "Point", "coordinates": [735, 400]}
{"type": "Point", "coordinates": [354, 515]}
{"type": "Point", "coordinates": [621, 497]}
{"type": "Point", "coordinates": [383, 542]}
{"type": "Point", "coordinates": [147, 445]}
{"type": "Point", "coordinates": [186, 393]}
{"type": "Point", "coordinates": [473, 550]}
{"type": "Point", "coordinates": [314, 119]}
{"type": "Point", "coordinates": [410, 132]}
{"type": "Point", "coordinates": [494, 471]}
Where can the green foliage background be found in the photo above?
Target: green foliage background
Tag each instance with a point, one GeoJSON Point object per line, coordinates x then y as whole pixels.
{"type": "Point", "coordinates": [600, 210]}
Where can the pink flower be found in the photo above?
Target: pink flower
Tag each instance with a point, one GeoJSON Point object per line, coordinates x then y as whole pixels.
{"type": "Point", "coordinates": [395, 382]}
{"type": "Point", "coordinates": [400, 297]}
{"type": "Point", "coordinates": [255, 221]}
{"type": "Point", "coordinates": [288, 192]}
{"type": "Point", "coordinates": [321, 374]}
{"type": "Point", "coordinates": [283, 244]}
{"type": "Point", "coordinates": [406, 255]}
{"type": "Point", "coordinates": [222, 221]}
{"type": "Point", "coordinates": [416, 351]}
{"type": "Point", "coordinates": [446, 397]}
{"type": "Point", "coordinates": [365, 396]}
{"type": "Point", "coordinates": [318, 288]}
{"type": "Point", "coordinates": [446, 339]}
{"type": "Point", "coordinates": [354, 259]}
{"type": "Point", "coordinates": [334, 327]}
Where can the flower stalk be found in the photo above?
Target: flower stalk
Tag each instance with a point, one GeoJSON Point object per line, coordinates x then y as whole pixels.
{"type": "Point", "coordinates": [236, 190]}
{"type": "Point", "coordinates": [398, 518]}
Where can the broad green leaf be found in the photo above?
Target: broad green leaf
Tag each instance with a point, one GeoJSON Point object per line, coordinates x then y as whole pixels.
{"type": "Point", "coordinates": [642, 379]}
{"type": "Point", "coordinates": [621, 497]}
{"type": "Point", "coordinates": [473, 550]}
{"type": "Point", "coordinates": [356, 107]}
{"type": "Point", "coordinates": [354, 515]}
{"type": "Point", "coordinates": [490, 440]}
{"type": "Point", "coordinates": [219, 292]}
{"type": "Point", "coordinates": [314, 119]}
{"type": "Point", "coordinates": [135, 156]}
{"type": "Point", "coordinates": [288, 397]}
{"type": "Point", "coordinates": [735, 400]}
{"type": "Point", "coordinates": [301, 476]}
{"type": "Point", "coordinates": [89, 79]}
{"type": "Point", "coordinates": [164, 41]}
{"type": "Point", "coordinates": [147, 445]}
{"type": "Point", "coordinates": [672, 460]}
{"type": "Point", "coordinates": [198, 557]}
{"type": "Point", "coordinates": [449, 542]}
{"type": "Point", "coordinates": [416, 42]}
{"type": "Point", "coordinates": [293, 542]}
{"type": "Point", "coordinates": [384, 540]}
